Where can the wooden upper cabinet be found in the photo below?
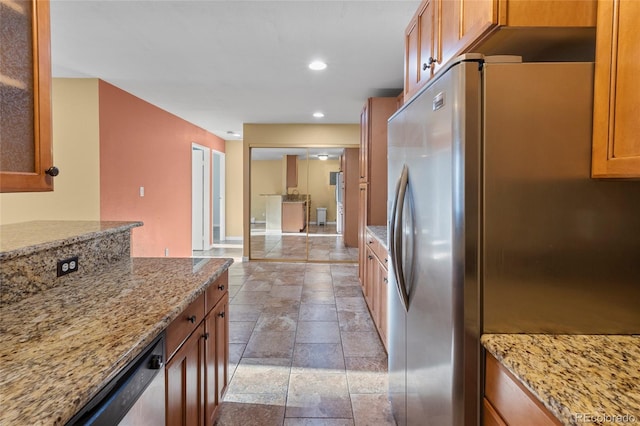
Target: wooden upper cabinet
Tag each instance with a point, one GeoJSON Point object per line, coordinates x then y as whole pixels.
{"type": "Point", "coordinates": [292, 171]}
{"type": "Point", "coordinates": [25, 97]}
{"type": "Point", "coordinates": [421, 47]}
{"type": "Point", "coordinates": [444, 29]}
{"type": "Point", "coordinates": [363, 158]}
{"type": "Point", "coordinates": [616, 146]}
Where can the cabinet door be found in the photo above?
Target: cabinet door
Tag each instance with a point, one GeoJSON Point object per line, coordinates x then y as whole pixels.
{"type": "Point", "coordinates": [428, 39]}
{"type": "Point", "coordinates": [184, 376]}
{"type": "Point", "coordinates": [381, 302]}
{"type": "Point", "coordinates": [364, 143]}
{"type": "Point", "coordinates": [217, 357]}
{"type": "Point", "coordinates": [25, 97]}
{"type": "Point", "coordinates": [362, 223]}
{"type": "Point", "coordinates": [420, 39]}
{"type": "Point", "coordinates": [371, 278]}
{"type": "Point", "coordinates": [616, 146]}
{"type": "Point", "coordinates": [292, 171]}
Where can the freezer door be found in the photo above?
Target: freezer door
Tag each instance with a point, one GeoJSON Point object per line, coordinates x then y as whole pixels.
{"type": "Point", "coordinates": [428, 140]}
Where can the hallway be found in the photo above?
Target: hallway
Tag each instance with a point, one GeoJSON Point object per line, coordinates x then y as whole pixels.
{"type": "Point", "coordinates": [303, 348]}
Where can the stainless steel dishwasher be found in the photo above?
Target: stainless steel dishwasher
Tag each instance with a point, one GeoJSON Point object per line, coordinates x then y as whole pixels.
{"type": "Point", "coordinates": [135, 397]}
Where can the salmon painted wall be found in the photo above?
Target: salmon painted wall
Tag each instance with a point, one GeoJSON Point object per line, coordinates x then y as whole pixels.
{"type": "Point", "coordinates": [143, 145]}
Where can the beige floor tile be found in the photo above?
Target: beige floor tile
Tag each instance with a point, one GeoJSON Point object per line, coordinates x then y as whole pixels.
{"type": "Point", "coordinates": [317, 357]}
{"type": "Point", "coordinates": [245, 312]}
{"type": "Point", "coordinates": [318, 332]}
{"type": "Point", "coordinates": [240, 331]}
{"type": "Point", "coordinates": [251, 410]}
{"type": "Point", "coordinates": [361, 344]}
{"type": "Point", "coordinates": [261, 376]}
{"type": "Point", "coordinates": [270, 344]}
{"type": "Point", "coordinates": [317, 422]}
{"type": "Point", "coordinates": [310, 312]}
{"type": "Point", "coordinates": [372, 410]}
{"type": "Point", "coordinates": [277, 322]}
{"type": "Point", "coordinates": [355, 321]}
{"type": "Point", "coordinates": [318, 298]}
{"type": "Point", "coordinates": [351, 304]}
{"type": "Point", "coordinates": [318, 395]}
{"type": "Point", "coordinates": [367, 374]}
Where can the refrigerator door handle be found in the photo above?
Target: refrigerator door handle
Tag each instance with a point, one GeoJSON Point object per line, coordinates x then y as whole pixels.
{"type": "Point", "coordinates": [396, 236]}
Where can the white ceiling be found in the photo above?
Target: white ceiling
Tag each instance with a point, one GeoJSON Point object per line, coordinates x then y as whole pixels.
{"type": "Point", "coordinates": [219, 64]}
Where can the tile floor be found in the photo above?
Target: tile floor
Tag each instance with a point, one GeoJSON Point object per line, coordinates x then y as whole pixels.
{"type": "Point", "coordinates": [303, 348]}
{"type": "Point", "coordinates": [322, 242]}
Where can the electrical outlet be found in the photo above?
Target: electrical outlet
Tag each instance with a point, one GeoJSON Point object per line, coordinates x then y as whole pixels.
{"type": "Point", "coordinates": [67, 266]}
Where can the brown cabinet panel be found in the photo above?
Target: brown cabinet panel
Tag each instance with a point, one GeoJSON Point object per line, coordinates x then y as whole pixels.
{"type": "Point", "coordinates": [184, 382]}
{"type": "Point", "coordinates": [374, 283]}
{"type": "Point", "coordinates": [616, 146]}
{"type": "Point", "coordinates": [25, 97]}
{"type": "Point", "coordinates": [197, 374]}
{"type": "Point", "coordinates": [351, 161]}
{"type": "Point", "coordinates": [184, 325]}
{"type": "Point", "coordinates": [217, 357]}
{"type": "Point", "coordinates": [512, 401]}
{"type": "Point", "coordinates": [444, 29]}
{"type": "Point", "coordinates": [294, 216]}
{"type": "Point", "coordinates": [489, 415]}
{"type": "Point", "coordinates": [362, 226]}
{"type": "Point", "coordinates": [292, 171]}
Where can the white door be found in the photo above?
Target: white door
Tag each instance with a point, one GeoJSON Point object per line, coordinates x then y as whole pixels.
{"type": "Point", "coordinates": [200, 178]}
{"type": "Point", "coordinates": [219, 232]}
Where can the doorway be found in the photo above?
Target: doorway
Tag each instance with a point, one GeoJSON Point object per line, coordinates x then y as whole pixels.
{"type": "Point", "coordinates": [294, 205]}
{"type": "Point", "coordinates": [219, 232]}
{"type": "Point", "coordinates": [200, 190]}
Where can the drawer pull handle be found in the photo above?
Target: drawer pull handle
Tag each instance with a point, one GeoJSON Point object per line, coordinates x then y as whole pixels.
{"type": "Point", "coordinates": [192, 319]}
{"type": "Point", "coordinates": [221, 314]}
{"type": "Point", "coordinates": [221, 287]}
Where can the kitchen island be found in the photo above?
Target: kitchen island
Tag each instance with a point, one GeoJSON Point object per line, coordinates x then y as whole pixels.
{"type": "Point", "coordinates": [580, 379]}
{"type": "Point", "coordinates": [63, 342]}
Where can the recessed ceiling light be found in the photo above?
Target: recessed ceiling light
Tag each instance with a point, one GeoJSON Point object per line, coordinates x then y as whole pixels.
{"type": "Point", "coordinates": [317, 65]}
{"type": "Point", "coordinates": [318, 114]}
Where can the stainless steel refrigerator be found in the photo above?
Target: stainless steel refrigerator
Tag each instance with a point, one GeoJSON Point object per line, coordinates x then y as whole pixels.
{"type": "Point", "coordinates": [496, 226]}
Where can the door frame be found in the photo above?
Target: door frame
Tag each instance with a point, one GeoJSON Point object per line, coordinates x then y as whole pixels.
{"type": "Point", "coordinates": [205, 210]}
{"type": "Point", "coordinates": [218, 177]}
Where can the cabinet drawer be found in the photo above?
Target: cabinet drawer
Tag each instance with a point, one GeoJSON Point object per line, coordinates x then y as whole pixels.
{"type": "Point", "coordinates": [216, 290]}
{"type": "Point", "coordinates": [184, 324]}
{"type": "Point", "coordinates": [378, 249]}
{"type": "Point", "coordinates": [512, 401]}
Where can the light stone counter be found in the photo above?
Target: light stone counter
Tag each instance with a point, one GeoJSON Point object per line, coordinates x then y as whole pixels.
{"type": "Point", "coordinates": [61, 345]}
{"type": "Point", "coordinates": [26, 238]}
{"type": "Point", "coordinates": [380, 232]}
{"type": "Point", "coordinates": [581, 379]}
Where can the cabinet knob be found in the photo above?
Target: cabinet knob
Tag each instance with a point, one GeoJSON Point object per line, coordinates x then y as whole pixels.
{"type": "Point", "coordinates": [206, 336]}
{"type": "Point", "coordinates": [192, 319]}
{"type": "Point", "coordinates": [370, 257]}
{"type": "Point", "coordinates": [221, 287]}
{"type": "Point", "coordinates": [386, 280]}
{"type": "Point", "coordinates": [429, 63]}
{"type": "Point", "coordinates": [221, 314]}
{"type": "Point", "coordinates": [53, 171]}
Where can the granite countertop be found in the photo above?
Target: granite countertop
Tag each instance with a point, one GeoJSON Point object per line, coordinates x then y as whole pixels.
{"type": "Point", "coordinates": [21, 239]}
{"type": "Point", "coordinates": [61, 346]}
{"type": "Point", "coordinates": [581, 379]}
{"type": "Point", "coordinates": [380, 232]}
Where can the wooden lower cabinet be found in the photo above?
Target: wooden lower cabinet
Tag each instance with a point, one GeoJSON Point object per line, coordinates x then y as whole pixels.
{"type": "Point", "coordinates": [294, 216]}
{"type": "Point", "coordinates": [184, 373]}
{"type": "Point", "coordinates": [197, 374]}
{"type": "Point", "coordinates": [216, 357]}
{"type": "Point", "coordinates": [374, 284]}
{"type": "Point", "coordinates": [508, 402]}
